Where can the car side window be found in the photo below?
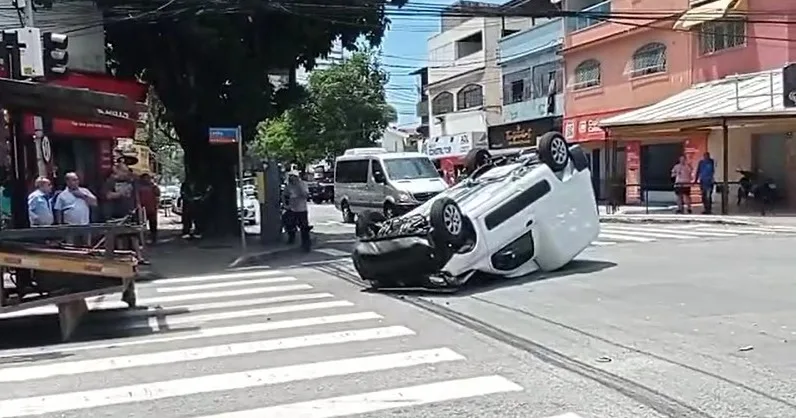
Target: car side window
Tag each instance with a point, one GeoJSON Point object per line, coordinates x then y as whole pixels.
{"type": "Point", "coordinates": [377, 170]}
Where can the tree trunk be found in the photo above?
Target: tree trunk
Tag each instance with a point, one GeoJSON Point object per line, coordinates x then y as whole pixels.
{"type": "Point", "coordinates": [212, 166]}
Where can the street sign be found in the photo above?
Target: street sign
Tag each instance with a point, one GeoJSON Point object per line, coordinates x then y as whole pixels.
{"type": "Point", "coordinates": [223, 135]}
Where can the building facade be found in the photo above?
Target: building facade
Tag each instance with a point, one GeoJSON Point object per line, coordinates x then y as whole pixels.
{"type": "Point", "coordinates": [464, 80]}
{"type": "Point", "coordinates": [532, 84]}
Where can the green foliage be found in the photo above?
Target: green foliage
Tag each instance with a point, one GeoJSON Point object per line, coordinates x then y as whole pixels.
{"type": "Point", "coordinates": [162, 139]}
{"type": "Point", "coordinates": [346, 108]}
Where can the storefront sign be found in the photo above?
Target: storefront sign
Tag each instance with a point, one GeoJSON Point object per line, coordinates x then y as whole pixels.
{"type": "Point", "coordinates": [522, 134]}
{"type": "Point", "coordinates": [587, 128]}
{"type": "Point", "coordinates": [455, 144]}
{"type": "Point", "coordinates": [126, 125]}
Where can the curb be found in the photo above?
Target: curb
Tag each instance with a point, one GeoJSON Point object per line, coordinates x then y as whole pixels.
{"type": "Point", "coordinates": [676, 219]}
{"type": "Point", "coordinates": [261, 257]}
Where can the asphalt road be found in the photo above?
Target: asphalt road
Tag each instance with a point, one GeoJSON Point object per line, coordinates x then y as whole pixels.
{"type": "Point", "coordinates": [665, 328]}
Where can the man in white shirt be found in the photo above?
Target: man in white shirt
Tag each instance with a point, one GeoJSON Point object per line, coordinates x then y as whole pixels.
{"type": "Point", "coordinates": [40, 212]}
{"type": "Point", "coordinates": [74, 203]}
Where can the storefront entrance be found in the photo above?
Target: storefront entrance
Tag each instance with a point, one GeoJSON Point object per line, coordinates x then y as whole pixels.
{"type": "Point", "coordinates": [656, 165]}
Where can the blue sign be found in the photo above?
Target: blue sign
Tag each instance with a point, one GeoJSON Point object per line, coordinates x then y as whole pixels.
{"type": "Point", "coordinates": [223, 135]}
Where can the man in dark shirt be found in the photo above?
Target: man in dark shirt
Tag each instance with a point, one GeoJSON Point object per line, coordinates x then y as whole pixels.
{"type": "Point", "coordinates": [705, 176]}
{"type": "Point", "coordinates": [120, 192]}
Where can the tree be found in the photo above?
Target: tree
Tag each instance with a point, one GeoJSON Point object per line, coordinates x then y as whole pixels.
{"type": "Point", "coordinates": [209, 64]}
{"type": "Point", "coordinates": [161, 138]}
{"type": "Point", "coordinates": [345, 108]}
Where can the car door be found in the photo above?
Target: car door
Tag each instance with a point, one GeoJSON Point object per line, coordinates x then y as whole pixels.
{"type": "Point", "coordinates": [376, 189]}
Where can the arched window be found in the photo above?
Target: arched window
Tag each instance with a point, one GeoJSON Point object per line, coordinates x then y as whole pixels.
{"type": "Point", "coordinates": [470, 96]}
{"type": "Point", "coordinates": [649, 59]}
{"type": "Point", "coordinates": [587, 74]}
{"type": "Point", "coordinates": [442, 103]}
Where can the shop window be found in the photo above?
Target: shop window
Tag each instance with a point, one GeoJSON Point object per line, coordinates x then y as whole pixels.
{"type": "Point", "coordinates": [442, 103]}
{"type": "Point", "coordinates": [469, 97]}
{"type": "Point", "coordinates": [587, 74]}
{"type": "Point", "coordinates": [649, 59]}
{"type": "Point", "coordinates": [517, 86]}
{"type": "Point", "coordinates": [720, 35]}
{"type": "Point", "coordinates": [547, 79]}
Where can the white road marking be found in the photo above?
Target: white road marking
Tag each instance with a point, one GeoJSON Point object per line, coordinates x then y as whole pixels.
{"type": "Point", "coordinates": [226, 293]}
{"type": "Point", "coordinates": [678, 232]}
{"type": "Point", "coordinates": [624, 237]}
{"type": "Point", "coordinates": [384, 400]}
{"type": "Point", "coordinates": [340, 241]}
{"type": "Point", "coordinates": [602, 243]}
{"type": "Point", "coordinates": [19, 374]}
{"type": "Point", "coordinates": [567, 415]}
{"type": "Point", "coordinates": [222, 276]}
{"type": "Point", "coordinates": [145, 392]}
{"type": "Point", "coordinates": [220, 316]}
{"type": "Point", "coordinates": [202, 333]}
{"type": "Point", "coordinates": [333, 252]}
{"type": "Point", "coordinates": [249, 282]}
{"type": "Point", "coordinates": [651, 234]}
{"type": "Point", "coordinates": [753, 231]}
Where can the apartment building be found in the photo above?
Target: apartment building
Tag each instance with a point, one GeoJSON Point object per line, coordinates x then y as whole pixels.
{"type": "Point", "coordinates": [532, 84]}
{"type": "Point", "coordinates": [464, 80]}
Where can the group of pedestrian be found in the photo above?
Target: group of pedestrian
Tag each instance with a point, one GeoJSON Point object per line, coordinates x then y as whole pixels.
{"type": "Point", "coordinates": [124, 196]}
{"type": "Point", "coordinates": [684, 177]}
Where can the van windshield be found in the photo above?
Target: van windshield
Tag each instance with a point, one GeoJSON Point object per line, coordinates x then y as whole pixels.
{"type": "Point", "coordinates": [410, 168]}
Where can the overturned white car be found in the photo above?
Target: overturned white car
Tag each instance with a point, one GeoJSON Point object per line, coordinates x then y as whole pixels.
{"type": "Point", "coordinates": [537, 212]}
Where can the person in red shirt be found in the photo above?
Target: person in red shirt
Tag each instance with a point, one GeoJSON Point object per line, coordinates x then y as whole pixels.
{"type": "Point", "coordinates": [149, 196]}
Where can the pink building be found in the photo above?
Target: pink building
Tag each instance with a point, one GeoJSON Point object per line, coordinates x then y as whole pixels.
{"type": "Point", "coordinates": [616, 68]}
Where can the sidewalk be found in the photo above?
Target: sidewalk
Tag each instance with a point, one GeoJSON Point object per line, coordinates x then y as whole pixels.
{"type": "Point", "coordinates": [665, 214]}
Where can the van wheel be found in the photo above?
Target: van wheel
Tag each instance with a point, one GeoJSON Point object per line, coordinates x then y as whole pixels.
{"type": "Point", "coordinates": [554, 151]}
{"type": "Point", "coordinates": [348, 216]}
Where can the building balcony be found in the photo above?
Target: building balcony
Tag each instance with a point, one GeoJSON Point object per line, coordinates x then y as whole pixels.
{"type": "Point", "coordinates": [422, 109]}
{"type": "Point", "coordinates": [530, 41]}
{"type": "Point", "coordinates": [532, 109]}
{"type": "Point", "coordinates": [575, 24]}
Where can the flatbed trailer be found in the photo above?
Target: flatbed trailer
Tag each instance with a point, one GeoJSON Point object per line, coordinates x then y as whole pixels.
{"type": "Point", "coordinates": [64, 275]}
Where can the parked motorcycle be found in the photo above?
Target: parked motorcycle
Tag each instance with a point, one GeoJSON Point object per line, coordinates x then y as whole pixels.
{"type": "Point", "coordinates": [754, 185]}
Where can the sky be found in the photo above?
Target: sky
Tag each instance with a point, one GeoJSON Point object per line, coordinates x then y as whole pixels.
{"type": "Point", "coordinates": [403, 51]}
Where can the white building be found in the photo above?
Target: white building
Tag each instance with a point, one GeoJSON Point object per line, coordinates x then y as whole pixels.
{"type": "Point", "coordinates": [336, 56]}
{"type": "Point", "coordinates": [464, 80]}
{"type": "Point", "coordinates": [394, 140]}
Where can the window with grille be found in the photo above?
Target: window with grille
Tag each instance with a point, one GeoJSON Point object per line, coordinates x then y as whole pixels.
{"type": "Point", "coordinates": [649, 59]}
{"type": "Point", "coordinates": [587, 74]}
{"type": "Point", "coordinates": [720, 35]}
{"type": "Point", "coordinates": [469, 97]}
{"type": "Point", "coordinates": [517, 86]}
{"type": "Point", "coordinates": [442, 103]}
{"type": "Point", "coordinates": [547, 79]}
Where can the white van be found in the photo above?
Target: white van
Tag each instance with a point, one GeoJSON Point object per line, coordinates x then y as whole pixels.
{"type": "Point", "coordinates": [391, 182]}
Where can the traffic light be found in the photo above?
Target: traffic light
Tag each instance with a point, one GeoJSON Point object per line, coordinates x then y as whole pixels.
{"type": "Point", "coordinates": [55, 55]}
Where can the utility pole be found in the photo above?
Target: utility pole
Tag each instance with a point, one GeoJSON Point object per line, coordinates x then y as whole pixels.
{"type": "Point", "coordinates": [29, 19]}
{"type": "Point", "coordinates": [38, 123]}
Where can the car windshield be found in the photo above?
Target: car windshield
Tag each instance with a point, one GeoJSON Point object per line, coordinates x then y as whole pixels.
{"type": "Point", "coordinates": [410, 168]}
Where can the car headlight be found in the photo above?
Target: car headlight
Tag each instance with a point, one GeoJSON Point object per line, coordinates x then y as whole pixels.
{"type": "Point", "coordinates": [404, 197]}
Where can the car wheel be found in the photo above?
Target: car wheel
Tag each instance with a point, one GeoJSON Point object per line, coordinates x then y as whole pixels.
{"type": "Point", "coordinates": [447, 222]}
{"type": "Point", "coordinates": [367, 224]}
{"type": "Point", "coordinates": [389, 210]}
{"type": "Point", "coordinates": [348, 216]}
{"type": "Point", "coordinates": [317, 201]}
{"type": "Point", "coordinates": [554, 151]}
{"type": "Point", "coordinates": [475, 159]}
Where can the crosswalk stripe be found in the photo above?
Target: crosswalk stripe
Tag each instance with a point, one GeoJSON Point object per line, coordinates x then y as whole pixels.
{"type": "Point", "coordinates": [156, 323]}
{"type": "Point", "coordinates": [226, 293]}
{"type": "Point", "coordinates": [602, 243]}
{"type": "Point", "coordinates": [220, 382]}
{"type": "Point", "coordinates": [202, 333]}
{"type": "Point", "coordinates": [176, 309]}
{"type": "Point", "coordinates": [652, 234]}
{"type": "Point", "coordinates": [24, 373]}
{"type": "Point", "coordinates": [745, 231]}
{"type": "Point", "coordinates": [624, 237]}
{"type": "Point", "coordinates": [384, 400]}
{"type": "Point", "coordinates": [678, 232]}
{"type": "Point", "coordinates": [209, 286]}
{"type": "Point", "coordinates": [333, 252]}
{"type": "Point", "coordinates": [214, 277]}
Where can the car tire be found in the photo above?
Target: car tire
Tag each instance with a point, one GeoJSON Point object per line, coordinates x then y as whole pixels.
{"type": "Point", "coordinates": [317, 201]}
{"type": "Point", "coordinates": [389, 210]}
{"type": "Point", "coordinates": [367, 224]}
{"type": "Point", "coordinates": [348, 216]}
{"type": "Point", "coordinates": [554, 150]}
{"type": "Point", "coordinates": [447, 223]}
{"type": "Point", "coordinates": [476, 158]}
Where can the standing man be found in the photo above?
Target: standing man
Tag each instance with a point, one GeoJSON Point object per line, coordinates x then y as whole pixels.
{"type": "Point", "coordinates": [296, 193]}
{"type": "Point", "coordinates": [40, 211]}
{"type": "Point", "coordinates": [73, 205]}
{"type": "Point", "coordinates": [705, 176]}
{"type": "Point", "coordinates": [149, 196]}
{"type": "Point", "coordinates": [682, 173]}
{"type": "Point", "coordinates": [121, 196]}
